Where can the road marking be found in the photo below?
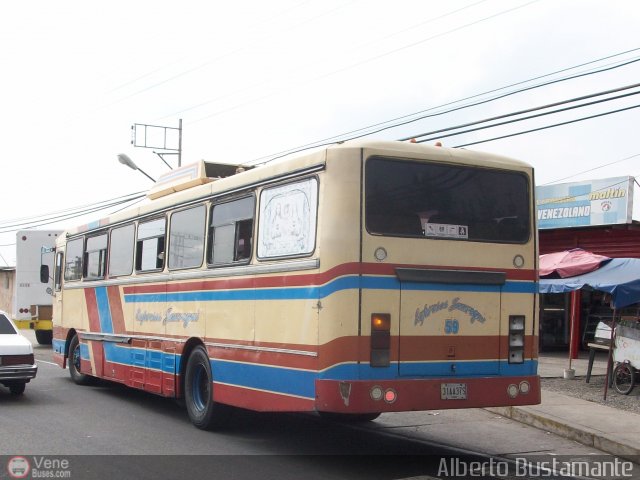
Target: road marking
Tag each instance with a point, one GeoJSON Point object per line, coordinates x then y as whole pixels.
{"type": "Point", "coordinates": [48, 363]}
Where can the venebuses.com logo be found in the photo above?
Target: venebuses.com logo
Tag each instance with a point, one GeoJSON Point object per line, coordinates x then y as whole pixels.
{"type": "Point", "coordinates": [38, 467]}
{"type": "Point", "coordinates": [18, 467]}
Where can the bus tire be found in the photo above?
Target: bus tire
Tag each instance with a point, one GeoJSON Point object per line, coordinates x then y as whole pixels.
{"type": "Point", "coordinates": [349, 417]}
{"type": "Point", "coordinates": [203, 412]}
{"type": "Point", "coordinates": [624, 378]}
{"type": "Point", "coordinates": [74, 364]}
{"type": "Point", "coordinates": [17, 388]}
{"type": "Point", "coordinates": [44, 337]}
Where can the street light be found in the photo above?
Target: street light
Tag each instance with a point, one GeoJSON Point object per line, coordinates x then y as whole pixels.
{"type": "Point", "coordinates": [125, 160]}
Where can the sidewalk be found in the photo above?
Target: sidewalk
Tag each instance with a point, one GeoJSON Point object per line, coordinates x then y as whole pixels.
{"type": "Point", "coordinates": [605, 428]}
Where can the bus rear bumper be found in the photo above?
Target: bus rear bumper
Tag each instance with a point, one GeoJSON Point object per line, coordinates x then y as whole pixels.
{"type": "Point", "coordinates": [365, 396]}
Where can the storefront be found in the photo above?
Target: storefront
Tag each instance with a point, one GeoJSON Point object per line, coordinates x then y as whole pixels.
{"type": "Point", "coordinates": [595, 216]}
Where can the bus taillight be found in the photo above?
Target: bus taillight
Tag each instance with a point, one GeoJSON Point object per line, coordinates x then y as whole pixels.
{"type": "Point", "coordinates": [516, 338]}
{"type": "Point", "coordinates": [380, 339]}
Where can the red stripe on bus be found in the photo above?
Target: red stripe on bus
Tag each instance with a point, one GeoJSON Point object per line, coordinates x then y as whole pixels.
{"type": "Point", "coordinates": [259, 400]}
{"type": "Point", "coordinates": [115, 305]}
{"type": "Point", "coordinates": [92, 310]}
{"type": "Point", "coordinates": [313, 279]}
{"type": "Point", "coordinates": [449, 348]}
{"type": "Point", "coordinates": [425, 394]}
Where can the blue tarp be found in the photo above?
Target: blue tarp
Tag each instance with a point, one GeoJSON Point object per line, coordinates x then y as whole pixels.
{"type": "Point", "coordinates": [620, 277]}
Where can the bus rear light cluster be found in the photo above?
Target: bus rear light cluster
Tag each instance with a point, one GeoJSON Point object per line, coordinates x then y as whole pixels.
{"type": "Point", "coordinates": [377, 393]}
{"type": "Point", "coordinates": [380, 339]}
{"type": "Point", "coordinates": [516, 338]}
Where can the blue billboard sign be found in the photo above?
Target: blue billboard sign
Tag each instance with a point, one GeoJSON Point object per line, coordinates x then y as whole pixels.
{"type": "Point", "coordinates": [582, 204]}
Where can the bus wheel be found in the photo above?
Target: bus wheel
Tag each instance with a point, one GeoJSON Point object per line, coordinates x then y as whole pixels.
{"type": "Point", "coordinates": [17, 388]}
{"type": "Point", "coordinates": [74, 364]}
{"type": "Point", "coordinates": [623, 378]}
{"type": "Point", "coordinates": [203, 412]}
{"type": "Point", "coordinates": [44, 337]}
{"type": "Point", "coordinates": [349, 417]}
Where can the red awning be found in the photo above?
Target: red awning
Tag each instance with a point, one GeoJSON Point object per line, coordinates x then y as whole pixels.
{"type": "Point", "coordinates": [570, 263]}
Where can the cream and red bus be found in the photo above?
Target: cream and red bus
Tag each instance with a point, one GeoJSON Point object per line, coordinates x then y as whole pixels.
{"type": "Point", "coordinates": [362, 278]}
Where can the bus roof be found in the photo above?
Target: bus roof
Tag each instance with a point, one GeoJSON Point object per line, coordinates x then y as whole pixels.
{"type": "Point", "coordinates": [291, 164]}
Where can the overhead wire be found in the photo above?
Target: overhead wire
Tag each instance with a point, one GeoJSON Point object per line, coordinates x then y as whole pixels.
{"type": "Point", "coordinates": [591, 169]}
{"type": "Point", "coordinates": [529, 117]}
{"type": "Point", "coordinates": [71, 209]}
{"type": "Point", "coordinates": [333, 139]}
{"type": "Point", "coordinates": [368, 60]}
{"type": "Point", "coordinates": [547, 127]}
{"type": "Point", "coordinates": [60, 218]}
{"type": "Point", "coordinates": [315, 61]}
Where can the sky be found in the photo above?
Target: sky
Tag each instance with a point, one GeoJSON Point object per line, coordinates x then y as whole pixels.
{"type": "Point", "coordinates": [251, 79]}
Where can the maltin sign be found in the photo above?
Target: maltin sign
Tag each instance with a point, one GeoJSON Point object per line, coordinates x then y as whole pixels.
{"type": "Point", "coordinates": [579, 204]}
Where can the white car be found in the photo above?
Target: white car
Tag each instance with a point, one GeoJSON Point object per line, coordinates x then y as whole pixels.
{"type": "Point", "coordinates": [17, 364]}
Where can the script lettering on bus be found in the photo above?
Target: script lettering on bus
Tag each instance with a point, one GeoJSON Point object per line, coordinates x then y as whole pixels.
{"type": "Point", "coordinates": [169, 316]}
{"type": "Point", "coordinates": [455, 305]}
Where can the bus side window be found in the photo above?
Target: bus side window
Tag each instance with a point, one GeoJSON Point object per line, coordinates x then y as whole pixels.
{"type": "Point", "coordinates": [73, 264]}
{"type": "Point", "coordinates": [150, 245]}
{"type": "Point", "coordinates": [57, 285]}
{"type": "Point", "coordinates": [231, 231]}
{"type": "Point", "coordinates": [95, 257]}
{"type": "Point", "coordinates": [186, 234]}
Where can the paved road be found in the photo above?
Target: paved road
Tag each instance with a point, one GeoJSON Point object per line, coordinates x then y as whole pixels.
{"type": "Point", "coordinates": [57, 418]}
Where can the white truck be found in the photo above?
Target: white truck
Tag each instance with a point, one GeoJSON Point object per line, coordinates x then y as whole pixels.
{"type": "Point", "coordinates": [32, 304]}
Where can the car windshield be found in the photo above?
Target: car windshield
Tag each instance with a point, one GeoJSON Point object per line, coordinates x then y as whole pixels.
{"type": "Point", "coordinates": [6, 327]}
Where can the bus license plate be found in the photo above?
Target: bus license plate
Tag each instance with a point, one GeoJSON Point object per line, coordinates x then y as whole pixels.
{"type": "Point", "coordinates": [453, 391]}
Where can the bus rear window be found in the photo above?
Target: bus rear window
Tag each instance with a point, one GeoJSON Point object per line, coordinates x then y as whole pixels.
{"type": "Point", "coordinates": [432, 200]}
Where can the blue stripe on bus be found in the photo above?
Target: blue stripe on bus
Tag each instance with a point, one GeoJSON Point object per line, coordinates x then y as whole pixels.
{"type": "Point", "coordinates": [84, 352]}
{"type": "Point", "coordinates": [315, 292]}
{"type": "Point", "coordinates": [262, 377]}
{"type": "Point", "coordinates": [104, 311]}
{"type": "Point", "coordinates": [301, 383]}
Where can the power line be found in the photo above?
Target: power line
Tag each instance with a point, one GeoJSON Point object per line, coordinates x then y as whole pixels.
{"type": "Point", "coordinates": [591, 169]}
{"type": "Point", "coordinates": [547, 127]}
{"type": "Point", "coordinates": [71, 209]}
{"type": "Point", "coordinates": [313, 62]}
{"type": "Point", "coordinates": [333, 139]}
{"type": "Point", "coordinates": [60, 218]}
{"type": "Point", "coordinates": [528, 117]}
{"type": "Point", "coordinates": [371, 59]}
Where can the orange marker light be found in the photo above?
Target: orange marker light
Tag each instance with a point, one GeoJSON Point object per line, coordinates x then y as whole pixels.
{"type": "Point", "coordinates": [381, 321]}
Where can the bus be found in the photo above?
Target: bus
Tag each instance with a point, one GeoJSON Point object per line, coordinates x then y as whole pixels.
{"type": "Point", "coordinates": [358, 279]}
{"type": "Point", "coordinates": [32, 303]}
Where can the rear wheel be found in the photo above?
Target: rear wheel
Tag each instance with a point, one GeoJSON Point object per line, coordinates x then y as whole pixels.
{"type": "Point", "coordinates": [74, 364]}
{"type": "Point", "coordinates": [349, 417]}
{"type": "Point", "coordinates": [623, 378]}
{"type": "Point", "coordinates": [203, 412]}
{"type": "Point", "coordinates": [44, 337]}
{"type": "Point", "coordinates": [17, 388]}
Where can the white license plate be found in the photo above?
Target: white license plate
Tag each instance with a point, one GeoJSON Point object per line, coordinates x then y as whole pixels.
{"type": "Point", "coordinates": [453, 391]}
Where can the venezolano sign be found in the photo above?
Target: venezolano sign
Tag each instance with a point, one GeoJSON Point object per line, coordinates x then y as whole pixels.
{"type": "Point", "coordinates": [596, 202]}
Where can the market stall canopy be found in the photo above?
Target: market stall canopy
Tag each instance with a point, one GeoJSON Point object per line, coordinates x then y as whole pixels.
{"type": "Point", "coordinates": [570, 263]}
{"type": "Point", "coordinates": [620, 277]}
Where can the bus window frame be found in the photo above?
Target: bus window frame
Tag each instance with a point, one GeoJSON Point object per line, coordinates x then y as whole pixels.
{"type": "Point", "coordinates": [66, 251]}
{"type": "Point", "coordinates": [204, 237]}
{"type": "Point", "coordinates": [528, 182]}
{"type": "Point", "coordinates": [311, 253]}
{"type": "Point", "coordinates": [210, 231]}
{"type": "Point", "coordinates": [133, 250]}
{"type": "Point", "coordinates": [103, 257]}
{"type": "Point", "coordinates": [137, 270]}
{"type": "Point", "coordinates": [58, 269]}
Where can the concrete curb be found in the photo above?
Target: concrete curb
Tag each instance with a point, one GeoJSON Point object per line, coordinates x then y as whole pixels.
{"type": "Point", "coordinates": [579, 434]}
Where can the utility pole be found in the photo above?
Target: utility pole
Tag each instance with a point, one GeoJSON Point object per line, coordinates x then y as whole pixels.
{"type": "Point", "coordinates": [167, 139]}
